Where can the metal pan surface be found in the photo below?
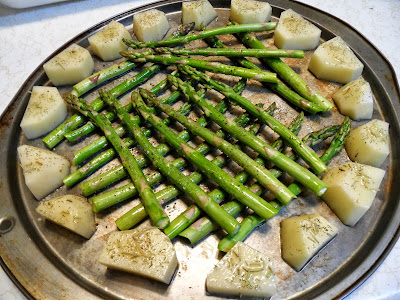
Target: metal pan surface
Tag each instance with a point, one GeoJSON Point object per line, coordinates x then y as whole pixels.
{"type": "Point", "coordinates": [48, 262]}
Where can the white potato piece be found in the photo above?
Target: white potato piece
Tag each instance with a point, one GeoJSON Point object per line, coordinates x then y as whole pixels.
{"type": "Point", "coordinates": [369, 143]}
{"type": "Point", "coordinates": [352, 189]}
{"type": "Point", "coordinates": [302, 237]}
{"type": "Point", "coordinates": [243, 271]}
{"type": "Point", "coordinates": [250, 11]}
{"type": "Point", "coordinates": [72, 212]}
{"type": "Point", "coordinates": [355, 100]}
{"type": "Point", "coordinates": [43, 170]}
{"type": "Point", "coordinates": [45, 111]}
{"type": "Point", "coordinates": [296, 33]}
{"type": "Point", "coordinates": [151, 25]}
{"type": "Point", "coordinates": [334, 61]}
{"type": "Point", "coordinates": [70, 66]}
{"type": "Point", "coordinates": [200, 12]}
{"type": "Point", "coordinates": [146, 252]}
{"type": "Point", "coordinates": [107, 43]}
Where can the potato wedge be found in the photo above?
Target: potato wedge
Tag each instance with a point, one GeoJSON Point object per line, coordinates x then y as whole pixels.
{"type": "Point", "coordinates": [151, 25]}
{"type": "Point", "coordinates": [43, 170]}
{"type": "Point", "coordinates": [352, 189]}
{"type": "Point", "coordinates": [200, 12]}
{"type": "Point", "coordinates": [369, 143]}
{"type": "Point", "coordinates": [70, 66]}
{"type": "Point", "coordinates": [146, 252]}
{"type": "Point", "coordinates": [334, 61]}
{"type": "Point", "coordinates": [355, 100]}
{"type": "Point", "coordinates": [302, 237]}
{"type": "Point", "coordinates": [250, 11]}
{"type": "Point", "coordinates": [243, 271]}
{"type": "Point", "coordinates": [107, 43]}
{"type": "Point", "coordinates": [45, 111]}
{"type": "Point", "coordinates": [69, 211]}
{"type": "Point", "coordinates": [296, 33]}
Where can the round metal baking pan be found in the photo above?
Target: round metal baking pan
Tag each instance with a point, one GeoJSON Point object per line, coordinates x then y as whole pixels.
{"type": "Point", "coordinates": [49, 262]}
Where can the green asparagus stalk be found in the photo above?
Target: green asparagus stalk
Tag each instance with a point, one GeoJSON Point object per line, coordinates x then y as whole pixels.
{"type": "Point", "coordinates": [94, 80]}
{"type": "Point", "coordinates": [95, 184]}
{"type": "Point", "coordinates": [214, 67]}
{"type": "Point", "coordinates": [252, 221]}
{"type": "Point", "coordinates": [57, 135]}
{"type": "Point", "coordinates": [278, 87]}
{"type": "Point", "coordinates": [230, 52]}
{"type": "Point", "coordinates": [306, 153]}
{"type": "Point", "coordinates": [182, 30]}
{"type": "Point", "coordinates": [203, 34]}
{"type": "Point", "coordinates": [287, 74]}
{"type": "Point", "coordinates": [201, 198]}
{"type": "Point", "coordinates": [301, 174]}
{"type": "Point", "coordinates": [264, 177]}
{"type": "Point", "coordinates": [231, 185]}
{"type": "Point", "coordinates": [157, 215]}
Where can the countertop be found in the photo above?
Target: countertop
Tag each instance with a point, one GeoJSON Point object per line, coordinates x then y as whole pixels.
{"type": "Point", "coordinates": [28, 36]}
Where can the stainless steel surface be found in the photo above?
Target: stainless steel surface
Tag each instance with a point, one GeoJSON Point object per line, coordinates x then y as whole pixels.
{"type": "Point", "coordinates": [53, 263]}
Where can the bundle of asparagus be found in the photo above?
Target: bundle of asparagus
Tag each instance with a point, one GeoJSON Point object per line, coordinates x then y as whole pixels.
{"type": "Point", "coordinates": [206, 205]}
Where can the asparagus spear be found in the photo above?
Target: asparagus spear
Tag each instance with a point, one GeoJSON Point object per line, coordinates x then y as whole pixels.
{"type": "Point", "coordinates": [204, 226]}
{"type": "Point", "coordinates": [306, 153]}
{"type": "Point", "coordinates": [214, 67]}
{"type": "Point", "coordinates": [153, 208]}
{"type": "Point", "coordinates": [137, 213]}
{"type": "Point", "coordinates": [203, 34]}
{"type": "Point", "coordinates": [264, 149]}
{"type": "Point", "coordinates": [91, 186]}
{"type": "Point", "coordinates": [261, 174]}
{"type": "Point", "coordinates": [278, 87]}
{"type": "Point", "coordinates": [252, 221]}
{"type": "Point", "coordinates": [287, 74]}
{"type": "Point", "coordinates": [103, 75]}
{"type": "Point", "coordinates": [229, 52]}
{"type": "Point", "coordinates": [201, 198]}
{"type": "Point", "coordinates": [57, 135]}
{"type": "Point", "coordinates": [231, 185]}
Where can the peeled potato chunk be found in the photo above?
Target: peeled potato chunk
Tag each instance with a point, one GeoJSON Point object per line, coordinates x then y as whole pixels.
{"type": "Point", "coordinates": [45, 111]}
{"type": "Point", "coordinates": [107, 43]}
{"type": "Point", "coordinates": [355, 100]}
{"type": "Point", "coordinates": [302, 237]}
{"type": "Point", "coordinates": [70, 66]}
{"type": "Point", "coordinates": [72, 212]}
{"type": "Point", "coordinates": [150, 25]}
{"type": "Point", "coordinates": [43, 170]}
{"type": "Point", "coordinates": [146, 252]}
{"type": "Point", "coordinates": [243, 271]}
{"type": "Point", "coordinates": [334, 61]}
{"type": "Point", "coordinates": [352, 188]}
{"type": "Point", "coordinates": [369, 143]}
{"type": "Point", "coordinates": [200, 12]}
{"type": "Point", "coordinates": [295, 32]}
{"type": "Point", "coordinates": [250, 11]}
